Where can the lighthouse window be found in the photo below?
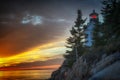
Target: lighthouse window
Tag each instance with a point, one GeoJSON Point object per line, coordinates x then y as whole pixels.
{"type": "Point", "coordinates": [94, 16]}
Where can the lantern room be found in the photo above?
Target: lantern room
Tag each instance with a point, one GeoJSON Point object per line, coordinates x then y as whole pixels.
{"type": "Point", "coordinates": [93, 16]}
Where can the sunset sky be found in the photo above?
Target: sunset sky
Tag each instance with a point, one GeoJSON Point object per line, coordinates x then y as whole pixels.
{"type": "Point", "coordinates": [33, 32]}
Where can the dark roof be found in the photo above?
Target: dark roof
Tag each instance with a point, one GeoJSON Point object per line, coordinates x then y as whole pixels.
{"type": "Point", "coordinates": [93, 13]}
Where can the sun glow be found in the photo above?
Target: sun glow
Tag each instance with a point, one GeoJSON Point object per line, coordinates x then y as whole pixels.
{"type": "Point", "coordinates": [40, 53]}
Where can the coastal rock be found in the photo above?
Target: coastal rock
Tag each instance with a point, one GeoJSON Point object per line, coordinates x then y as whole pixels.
{"type": "Point", "coordinates": [111, 72]}
{"type": "Point", "coordinates": [79, 70]}
{"type": "Point", "coordinates": [107, 68]}
{"type": "Point", "coordinates": [104, 62]}
{"type": "Point", "coordinates": [60, 74]}
{"type": "Point", "coordinates": [57, 75]}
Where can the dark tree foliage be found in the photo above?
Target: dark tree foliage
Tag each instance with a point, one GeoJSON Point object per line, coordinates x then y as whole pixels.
{"type": "Point", "coordinates": [75, 43]}
{"type": "Point", "coordinates": [111, 15]}
{"type": "Point", "coordinates": [98, 39]}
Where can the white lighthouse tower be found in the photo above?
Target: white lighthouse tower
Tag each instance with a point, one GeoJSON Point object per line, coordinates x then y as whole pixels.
{"type": "Point", "coordinates": [94, 18]}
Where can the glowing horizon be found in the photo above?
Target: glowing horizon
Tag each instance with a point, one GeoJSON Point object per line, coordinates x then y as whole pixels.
{"type": "Point", "coordinates": [50, 50]}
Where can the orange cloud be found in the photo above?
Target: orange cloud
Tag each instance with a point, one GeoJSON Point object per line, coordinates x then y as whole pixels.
{"type": "Point", "coordinates": [32, 68]}
{"type": "Point", "coordinates": [21, 38]}
{"type": "Point", "coordinates": [48, 64]}
{"type": "Point", "coordinates": [50, 50]}
{"type": "Point", "coordinates": [46, 67]}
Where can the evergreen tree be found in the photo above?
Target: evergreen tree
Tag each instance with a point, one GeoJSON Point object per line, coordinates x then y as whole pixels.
{"type": "Point", "coordinates": [111, 14]}
{"type": "Point", "coordinates": [75, 43]}
{"type": "Point", "coordinates": [98, 39]}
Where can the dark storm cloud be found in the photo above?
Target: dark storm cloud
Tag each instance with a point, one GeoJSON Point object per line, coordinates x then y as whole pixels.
{"type": "Point", "coordinates": [24, 37]}
{"type": "Point", "coordinates": [27, 65]}
{"type": "Point", "coordinates": [50, 8]}
{"type": "Point", "coordinates": [16, 37]}
{"type": "Point", "coordinates": [41, 63]}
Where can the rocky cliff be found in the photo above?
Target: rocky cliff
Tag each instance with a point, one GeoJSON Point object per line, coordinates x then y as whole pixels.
{"type": "Point", "coordinates": [106, 68]}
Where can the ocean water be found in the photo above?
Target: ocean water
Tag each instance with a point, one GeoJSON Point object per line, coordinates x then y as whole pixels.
{"type": "Point", "coordinates": [25, 75]}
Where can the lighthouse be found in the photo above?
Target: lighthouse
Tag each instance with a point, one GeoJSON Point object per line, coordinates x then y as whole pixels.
{"type": "Point", "coordinates": [93, 19]}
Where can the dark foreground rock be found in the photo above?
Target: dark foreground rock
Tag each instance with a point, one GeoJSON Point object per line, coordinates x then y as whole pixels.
{"type": "Point", "coordinates": [107, 68]}
{"type": "Point", "coordinates": [111, 72]}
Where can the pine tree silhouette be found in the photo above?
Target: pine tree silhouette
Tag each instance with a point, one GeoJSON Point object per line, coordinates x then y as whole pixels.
{"type": "Point", "coordinates": [77, 40]}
